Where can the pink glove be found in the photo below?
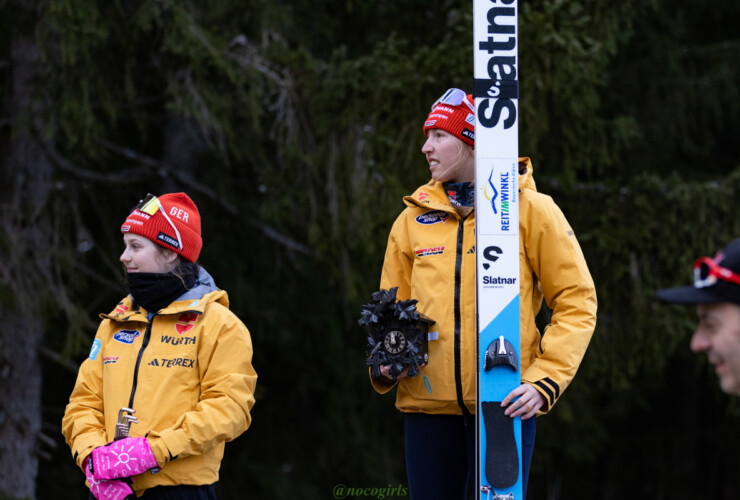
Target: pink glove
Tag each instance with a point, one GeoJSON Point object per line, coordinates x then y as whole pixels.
{"type": "Point", "coordinates": [122, 458]}
{"type": "Point", "coordinates": [106, 490]}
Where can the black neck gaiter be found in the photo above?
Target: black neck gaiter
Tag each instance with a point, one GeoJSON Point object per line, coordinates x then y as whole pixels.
{"type": "Point", "coordinates": [155, 291]}
{"type": "Point", "coordinates": [461, 194]}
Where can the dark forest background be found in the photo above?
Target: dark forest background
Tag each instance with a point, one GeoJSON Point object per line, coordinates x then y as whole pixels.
{"type": "Point", "coordinates": [296, 128]}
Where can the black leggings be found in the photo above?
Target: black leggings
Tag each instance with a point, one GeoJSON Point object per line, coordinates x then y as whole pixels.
{"type": "Point", "coordinates": [440, 455]}
{"type": "Point", "coordinates": [183, 492]}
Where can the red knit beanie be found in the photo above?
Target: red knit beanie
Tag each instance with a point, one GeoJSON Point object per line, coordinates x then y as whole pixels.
{"type": "Point", "coordinates": [172, 221]}
{"type": "Point", "coordinates": [457, 119]}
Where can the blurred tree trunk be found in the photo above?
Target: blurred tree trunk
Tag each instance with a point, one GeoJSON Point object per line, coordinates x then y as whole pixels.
{"type": "Point", "coordinates": [24, 248]}
{"type": "Point", "coordinates": [182, 149]}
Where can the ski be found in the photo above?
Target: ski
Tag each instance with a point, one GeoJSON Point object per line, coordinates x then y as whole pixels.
{"type": "Point", "coordinates": [496, 94]}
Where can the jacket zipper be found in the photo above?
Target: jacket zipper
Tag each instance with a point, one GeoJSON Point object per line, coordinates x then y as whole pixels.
{"type": "Point", "coordinates": [458, 316]}
{"type": "Point", "coordinates": [144, 344]}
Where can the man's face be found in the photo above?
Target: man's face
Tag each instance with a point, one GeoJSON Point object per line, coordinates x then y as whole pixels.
{"type": "Point", "coordinates": [718, 335]}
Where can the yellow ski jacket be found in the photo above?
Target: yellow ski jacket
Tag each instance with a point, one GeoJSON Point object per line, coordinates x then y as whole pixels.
{"type": "Point", "coordinates": [188, 375]}
{"type": "Point", "coordinates": [431, 257]}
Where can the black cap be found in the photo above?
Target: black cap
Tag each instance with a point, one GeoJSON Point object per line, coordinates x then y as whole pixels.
{"type": "Point", "coordinates": [721, 291]}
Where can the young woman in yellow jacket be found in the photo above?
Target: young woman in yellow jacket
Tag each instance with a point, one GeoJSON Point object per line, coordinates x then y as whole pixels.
{"type": "Point", "coordinates": [440, 425]}
{"type": "Point", "coordinates": [169, 378]}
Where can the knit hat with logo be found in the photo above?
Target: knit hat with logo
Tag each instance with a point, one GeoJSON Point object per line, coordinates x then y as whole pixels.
{"type": "Point", "coordinates": [172, 221]}
{"type": "Point", "coordinates": [458, 120]}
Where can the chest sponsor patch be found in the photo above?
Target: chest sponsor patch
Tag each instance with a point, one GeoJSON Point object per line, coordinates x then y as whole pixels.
{"type": "Point", "coordinates": [172, 362]}
{"type": "Point", "coordinates": [432, 217]}
{"type": "Point", "coordinates": [126, 336]}
{"type": "Point", "coordinates": [423, 252]}
{"type": "Point", "coordinates": [110, 360]}
{"type": "Point", "coordinates": [166, 339]}
{"type": "Point", "coordinates": [186, 322]}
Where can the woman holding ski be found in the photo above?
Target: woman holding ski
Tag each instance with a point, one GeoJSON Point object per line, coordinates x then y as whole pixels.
{"type": "Point", "coordinates": [439, 418]}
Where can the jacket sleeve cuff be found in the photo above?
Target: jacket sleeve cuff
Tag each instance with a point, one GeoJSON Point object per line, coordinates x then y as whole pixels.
{"type": "Point", "coordinates": [167, 445]}
{"type": "Point", "coordinates": [549, 390]}
{"type": "Point", "coordinates": [83, 447]}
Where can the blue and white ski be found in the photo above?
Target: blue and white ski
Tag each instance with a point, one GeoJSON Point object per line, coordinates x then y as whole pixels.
{"type": "Point", "coordinates": [496, 94]}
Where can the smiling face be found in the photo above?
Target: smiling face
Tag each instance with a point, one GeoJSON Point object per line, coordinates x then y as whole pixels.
{"type": "Point", "coordinates": [449, 158]}
{"type": "Point", "coordinates": [142, 255]}
{"type": "Point", "coordinates": [718, 335]}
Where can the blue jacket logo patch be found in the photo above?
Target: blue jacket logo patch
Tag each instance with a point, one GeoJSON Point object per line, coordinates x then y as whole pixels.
{"type": "Point", "coordinates": [126, 336]}
{"type": "Point", "coordinates": [95, 349]}
{"type": "Point", "coordinates": [432, 217]}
